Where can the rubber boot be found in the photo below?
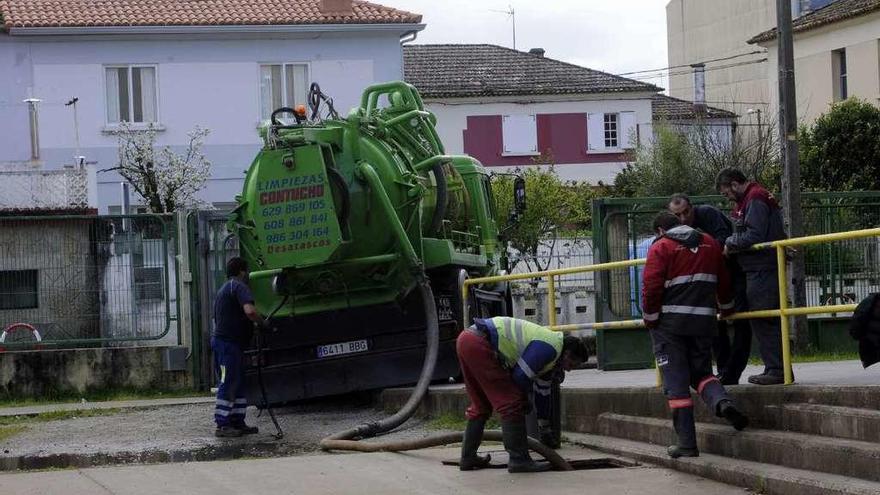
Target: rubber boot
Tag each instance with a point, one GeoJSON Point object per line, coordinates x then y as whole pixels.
{"type": "Point", "coordinates": [728, 411]}
{"type": "Point", "coordinates": [517, 446]}
{"type": "Point", "coordinates": [473, 435]}
{"type": "Point", "coordinates": [683, 420]}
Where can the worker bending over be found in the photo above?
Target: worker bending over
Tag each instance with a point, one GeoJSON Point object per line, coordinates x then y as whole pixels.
{"type": "Point", "coordinates": [502, 361]}
{"type": "Point", "coordinates": [684, 272]}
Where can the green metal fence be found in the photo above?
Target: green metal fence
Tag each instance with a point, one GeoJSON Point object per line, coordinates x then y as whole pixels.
{"type": "Point", "coordinates": [87, 280]}
{"type": "Point", "coordinates": [836, 273]}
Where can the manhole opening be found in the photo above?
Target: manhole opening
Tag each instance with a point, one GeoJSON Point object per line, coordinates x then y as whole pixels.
{"type": "Point", "coordinates": [601, 463]}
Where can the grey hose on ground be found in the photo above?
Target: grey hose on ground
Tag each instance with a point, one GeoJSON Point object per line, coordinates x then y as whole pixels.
{"type": "Point", "coordinates": [558, 463]}
{"type": "Point", "coordinates": [432, 335]}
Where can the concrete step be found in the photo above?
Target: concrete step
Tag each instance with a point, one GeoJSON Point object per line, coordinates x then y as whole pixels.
{"type": "Point", "coordinates": [762, 478]}
{"type": "Point", "coordinates": [828, 421]}
{"type": "Point", "coordinates": [843, 457]}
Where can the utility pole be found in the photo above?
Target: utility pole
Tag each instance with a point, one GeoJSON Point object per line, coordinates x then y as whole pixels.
{"type": "Point", "coordinates": [791, 175]}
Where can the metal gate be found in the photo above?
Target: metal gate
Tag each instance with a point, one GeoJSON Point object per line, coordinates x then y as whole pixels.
{"type": "Point", "coordinates": [210, 246]}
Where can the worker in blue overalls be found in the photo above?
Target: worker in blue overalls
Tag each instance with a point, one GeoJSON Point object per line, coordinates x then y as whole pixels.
{"type": "Point", "coordinates": [234, 318]}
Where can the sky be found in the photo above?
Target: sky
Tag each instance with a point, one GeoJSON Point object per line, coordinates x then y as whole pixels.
{"type": "Point", "coordinates": [615, 36]}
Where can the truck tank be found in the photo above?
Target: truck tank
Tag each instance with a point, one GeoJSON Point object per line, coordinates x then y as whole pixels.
{"type": "Point", "coordinates": [339, 220]}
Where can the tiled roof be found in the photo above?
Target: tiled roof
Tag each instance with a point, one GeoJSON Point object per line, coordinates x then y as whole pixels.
{"type": "Point", "coordinates": [668, 108]}
{"type": "Point", "coordinates": [459, 71]}
{"type": "Point", "coordinates": [834, 12]}
{"type": "Point", "coordinates": [87, 13]}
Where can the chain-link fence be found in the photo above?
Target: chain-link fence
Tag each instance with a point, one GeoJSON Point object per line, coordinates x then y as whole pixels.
{"type": "Point", "coordinates": [87, 280]}
{"type": "Point", "coordinates": [839, 272]}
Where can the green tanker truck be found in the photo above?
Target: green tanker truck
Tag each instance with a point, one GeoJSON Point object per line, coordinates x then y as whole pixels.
{"type": "Point", "coordinates": [359, 232]}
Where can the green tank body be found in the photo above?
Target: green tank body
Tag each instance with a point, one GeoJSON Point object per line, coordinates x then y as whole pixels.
{"type": "Point", "coordinates": [340, 219]}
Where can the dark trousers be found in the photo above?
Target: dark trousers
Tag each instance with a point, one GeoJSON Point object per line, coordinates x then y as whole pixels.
{"type": "Point", "coordinates": [489, 386]}
{"type": "Point", "coordinates": [229, 365]}
{"type": "Point", "coordinates": [685, 362]}
{"type": "Point", "coordinates": [731, 358]}
{"type": "Point", "coordinates": [762, 292]}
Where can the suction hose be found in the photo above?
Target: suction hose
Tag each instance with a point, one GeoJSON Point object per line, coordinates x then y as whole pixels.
{"type": "Point", "coordinates": [343, 439]}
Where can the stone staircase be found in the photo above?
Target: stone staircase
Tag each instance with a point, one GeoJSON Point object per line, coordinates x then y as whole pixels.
{"type": "Point", "coordinates": [798, 448]}
{"type": "Point", "coordinates": [803, 439]}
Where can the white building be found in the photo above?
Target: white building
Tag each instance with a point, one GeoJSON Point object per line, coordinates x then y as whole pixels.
{"type": "Point", "coordinates": [836, 56]}
{"type": "Point", "coordinates": [716, 33]}
{"type": "Point", "coordinates": [181, 67]}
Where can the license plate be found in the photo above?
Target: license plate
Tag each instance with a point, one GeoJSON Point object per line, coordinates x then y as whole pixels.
{"type": "Point", "coordinates": [342, 348]}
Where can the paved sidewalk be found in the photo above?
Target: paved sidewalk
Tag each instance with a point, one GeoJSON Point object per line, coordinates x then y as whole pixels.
{"type": "Point", "coordinates": [116, 404]}
{"type": "Point", "coordinates": [418, 472]}
{"type": "Point", "coordinates": [820, 373]}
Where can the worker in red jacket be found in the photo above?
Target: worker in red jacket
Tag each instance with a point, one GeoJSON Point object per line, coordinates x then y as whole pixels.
{"type": "Point", "coordinates": [684, 281]}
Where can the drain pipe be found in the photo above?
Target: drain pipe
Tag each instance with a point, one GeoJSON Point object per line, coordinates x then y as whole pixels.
{"type": "Point", "coordinates": [33, 120]}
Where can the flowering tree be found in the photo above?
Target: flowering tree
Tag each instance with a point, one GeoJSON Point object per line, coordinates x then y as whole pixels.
{"type": "Point", "coordinates": [165, 179]}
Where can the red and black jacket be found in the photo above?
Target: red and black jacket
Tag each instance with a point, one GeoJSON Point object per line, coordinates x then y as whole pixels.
{"type": "Point", "coordinates": [684, 283]}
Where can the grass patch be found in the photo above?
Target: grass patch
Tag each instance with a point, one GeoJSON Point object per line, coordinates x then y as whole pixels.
{"type": "Point", "coordinates": [10, 431]}
{"type": "Point", "coordinates": [15, 421]}
{"type": "Point", "coordinates": [457, 422]}
{"type": "Point", "coordinates": [99, 396]}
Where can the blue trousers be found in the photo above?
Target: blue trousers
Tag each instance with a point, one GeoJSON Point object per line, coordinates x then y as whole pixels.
{"type": "Point", "coordinates": [685, 362]}
{"type": "Point", "coordinates": [229, 366]}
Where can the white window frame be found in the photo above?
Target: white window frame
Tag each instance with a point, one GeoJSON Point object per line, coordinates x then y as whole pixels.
{"type": "Point", "coordinates": [112, 126]}
{"type": "Point", "coordinates": [514, 129]}
{"type": "Point", "coordinates": [609, 134]}
{"type": "Point", "coordinates": [625, 124]}
{"type": "Point", "coordinates": [263, 120]}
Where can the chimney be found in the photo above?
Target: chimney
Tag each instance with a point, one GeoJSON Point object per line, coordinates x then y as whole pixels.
{"type": "Point", "coordinates": [33, 120]}
{"type": "Point", "coordinates": [336, 7]}
{"type": "Point", "coordinates": [537, 51]}
{"type": "Point", "coordinates": [699, 88]}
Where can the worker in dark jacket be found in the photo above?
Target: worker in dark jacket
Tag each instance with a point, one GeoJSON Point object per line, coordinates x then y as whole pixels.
{"type": "Point", "coordinates": [731, 360]}
{"type": "Point", "coordinates": [234, 318]}
{"type": "Point", "coordinates": [684, 283]}
{"type": "Point", "coordinates": [865, 327]}
{"type": "Point", "coordinates": [502, 361]}
{"type": "Point", "coordinates": [757, 218]}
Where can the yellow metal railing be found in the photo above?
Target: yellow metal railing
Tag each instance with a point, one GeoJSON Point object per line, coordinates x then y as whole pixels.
{"type": "Point", "coordinates": [783, 313]}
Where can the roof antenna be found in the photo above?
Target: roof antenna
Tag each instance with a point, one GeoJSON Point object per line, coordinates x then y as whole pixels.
{"type": "Point", "coordinates": [510, 12]}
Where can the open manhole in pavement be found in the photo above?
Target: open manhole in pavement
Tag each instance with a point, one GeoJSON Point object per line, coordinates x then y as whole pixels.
{"type": "Point", "coordinates": [577, 464]}
{"type": "Point", "coordinates": [600, 463]}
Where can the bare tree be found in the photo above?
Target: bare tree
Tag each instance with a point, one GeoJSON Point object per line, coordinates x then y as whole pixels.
{"type": "Point", "coordinates": [165, 179]}
{"type": "Point", "coordinates": [687, 157]}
